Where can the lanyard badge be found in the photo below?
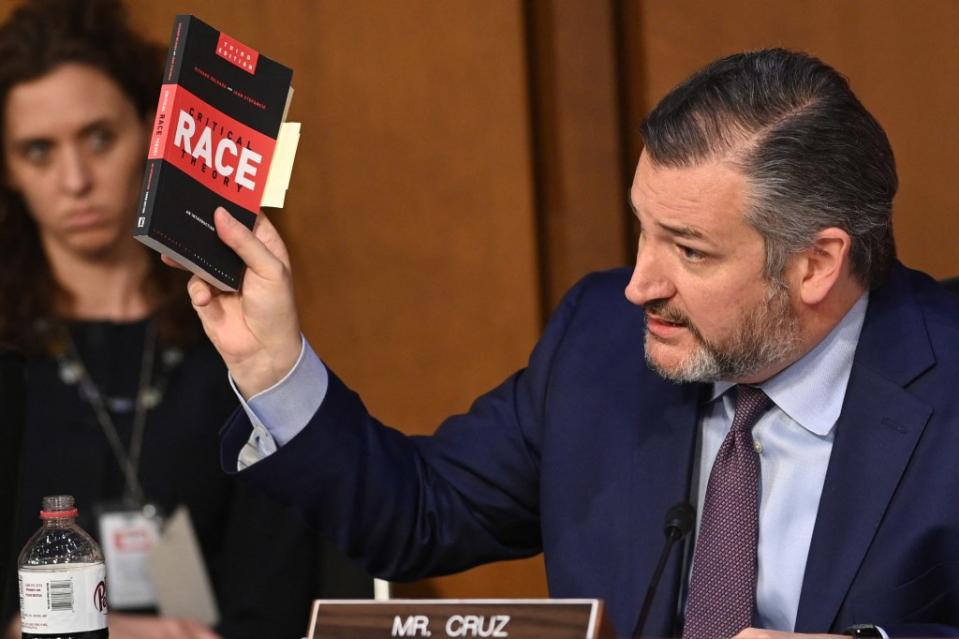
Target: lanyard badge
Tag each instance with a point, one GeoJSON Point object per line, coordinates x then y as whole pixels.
{"type": "Point", "coordinates": [128, 536]}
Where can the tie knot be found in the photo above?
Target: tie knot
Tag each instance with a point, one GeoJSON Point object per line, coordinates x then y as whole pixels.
{"type": "Point", "coordinates": [751, 403]}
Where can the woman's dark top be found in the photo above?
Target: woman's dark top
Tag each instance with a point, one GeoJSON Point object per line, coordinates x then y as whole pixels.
{"type": "Point", "coordinates": [265, 564]}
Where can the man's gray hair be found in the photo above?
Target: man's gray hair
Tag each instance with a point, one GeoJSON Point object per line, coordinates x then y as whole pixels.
{"type": "Point", "coordinates": [812, 155]}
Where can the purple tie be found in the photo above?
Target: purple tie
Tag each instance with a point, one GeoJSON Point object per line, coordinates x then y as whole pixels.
{"type": "Point", "coordinates": [722, 590]}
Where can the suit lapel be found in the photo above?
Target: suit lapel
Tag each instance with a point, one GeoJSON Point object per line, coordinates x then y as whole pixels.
{"type": "Point", "coordinates": [878, 429]}
{"type": "Point", "coordinates": [660, 479]}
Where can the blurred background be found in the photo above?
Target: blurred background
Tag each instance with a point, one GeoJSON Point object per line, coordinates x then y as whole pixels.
{"type": "Point", "coordinates": [463, 162]}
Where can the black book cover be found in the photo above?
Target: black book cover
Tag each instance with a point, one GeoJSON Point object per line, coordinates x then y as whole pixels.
{"type": "Point", "coordinates": [220, 110]}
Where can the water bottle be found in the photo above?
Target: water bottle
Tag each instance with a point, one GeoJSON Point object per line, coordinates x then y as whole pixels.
{"type": "Point", "coordinates": [62, 578]}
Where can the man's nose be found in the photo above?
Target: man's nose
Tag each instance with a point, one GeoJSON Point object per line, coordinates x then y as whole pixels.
{"type": "Point", "coordinates": [75, 174]}
{"type": "Point", "coordinates": [649, 280]}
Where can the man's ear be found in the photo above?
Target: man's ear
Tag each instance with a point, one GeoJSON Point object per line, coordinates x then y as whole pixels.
{"type": "Point", "coordinates": [822, 264]}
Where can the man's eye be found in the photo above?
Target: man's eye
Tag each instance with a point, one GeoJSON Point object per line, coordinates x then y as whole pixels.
{"type": "Point", "coordinates": [691, 254]}
{"type": "Point", "coordinates": [36, 152]}
{"type": "Point", "coordinates": [101, 139]}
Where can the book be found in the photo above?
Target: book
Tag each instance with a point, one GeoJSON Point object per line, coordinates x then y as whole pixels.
{"type": "Point", "coordinates": [214, 138]}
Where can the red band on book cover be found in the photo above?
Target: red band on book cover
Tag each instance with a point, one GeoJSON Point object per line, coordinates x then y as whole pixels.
{"type": "Point", "coordinates": [235, 52]}
{"type": "Point", "coordinates": [227, 157]}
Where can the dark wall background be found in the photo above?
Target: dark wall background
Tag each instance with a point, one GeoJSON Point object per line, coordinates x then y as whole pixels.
{"type": "Point", "coordinates": [464, 161]}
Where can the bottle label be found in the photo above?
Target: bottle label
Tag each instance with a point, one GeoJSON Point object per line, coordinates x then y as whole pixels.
{"type": "Point", "coordinates": [63, 598]}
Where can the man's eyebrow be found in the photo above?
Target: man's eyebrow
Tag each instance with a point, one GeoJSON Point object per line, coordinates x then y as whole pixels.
{"type": "Point", "coordinates": [689, 232]}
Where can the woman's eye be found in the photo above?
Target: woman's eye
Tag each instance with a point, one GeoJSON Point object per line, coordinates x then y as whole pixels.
{"type": "Point", "coordinates": [37, 152]}
{"type": "Point", "coordinates": [101, 139]}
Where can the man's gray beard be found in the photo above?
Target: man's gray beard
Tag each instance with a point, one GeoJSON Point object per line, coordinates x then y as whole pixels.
{"type": "Point", "coordinates": [768, 334]}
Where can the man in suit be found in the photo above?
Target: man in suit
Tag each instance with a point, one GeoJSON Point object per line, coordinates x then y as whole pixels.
{"type": "Point", "coordinates": [771, 362]}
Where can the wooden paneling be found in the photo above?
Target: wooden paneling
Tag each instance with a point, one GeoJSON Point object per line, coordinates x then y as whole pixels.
{"type": "Point", "coordinates": [902, 59]}
{"type": "Point", "coordinates": [578, 142]}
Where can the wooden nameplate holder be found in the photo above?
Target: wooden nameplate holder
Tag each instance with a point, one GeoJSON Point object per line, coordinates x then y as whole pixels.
{"type": "Point", "coordinates": [436, 618]}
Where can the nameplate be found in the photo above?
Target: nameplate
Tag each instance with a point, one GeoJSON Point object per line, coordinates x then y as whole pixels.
{"type": "Point", "coordinates": [468, 618]}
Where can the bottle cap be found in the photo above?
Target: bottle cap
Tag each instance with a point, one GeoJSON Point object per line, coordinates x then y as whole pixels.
{"type": "Point", "coordinates": [58, 507]}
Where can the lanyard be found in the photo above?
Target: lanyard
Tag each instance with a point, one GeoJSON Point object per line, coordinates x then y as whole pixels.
{"type": "Point", "coordinates": [73, 371]}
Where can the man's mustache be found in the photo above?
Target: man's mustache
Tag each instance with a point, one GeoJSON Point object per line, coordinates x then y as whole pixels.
{"type": "Point", "coordinates": [662, 310]}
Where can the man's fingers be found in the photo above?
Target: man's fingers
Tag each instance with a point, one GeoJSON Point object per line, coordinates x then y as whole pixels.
{"type": "Point", "coordinates": [200, 292]}
{"type": "Point", "coordinates": [758, 633]}
{"type": "Point", "coordinates": [251, 249]}
{"type": "Point", "coordinates": [169, 261]}
{"type": "Point", "coordinates": [196, 630]}
{"type": "Point", "coordinates": [267, 233]}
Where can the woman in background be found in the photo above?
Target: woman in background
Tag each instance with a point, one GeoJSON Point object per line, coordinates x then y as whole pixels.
{"type": "Point", "coordinates": [124, 396]}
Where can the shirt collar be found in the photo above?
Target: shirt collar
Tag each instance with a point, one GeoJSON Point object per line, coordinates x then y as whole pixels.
{"type": "Point", "coordinates": [811, 390]}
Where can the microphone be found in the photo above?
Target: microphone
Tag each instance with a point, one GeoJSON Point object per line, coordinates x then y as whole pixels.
{"type": "Point", "coordinates": [679, 521]}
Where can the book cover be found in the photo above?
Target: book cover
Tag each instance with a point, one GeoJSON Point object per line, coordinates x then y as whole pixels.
{"type": "Point", "coordinates": [214, 136]}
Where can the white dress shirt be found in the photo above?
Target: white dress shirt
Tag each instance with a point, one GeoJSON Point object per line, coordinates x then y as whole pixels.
{"type": "Point", "coordinates": [794, 439]}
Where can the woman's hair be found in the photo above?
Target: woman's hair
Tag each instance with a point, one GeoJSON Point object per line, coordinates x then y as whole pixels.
{"type": "Point", "coordinates": [38, 37]}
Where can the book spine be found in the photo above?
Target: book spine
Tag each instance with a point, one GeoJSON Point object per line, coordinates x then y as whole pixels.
{"type": "Point", "coordinates": [174, 61]}
{"type": "Point", "coordinates": [147, 197]}
{"type": "Point", "coordinates": [161, 124]}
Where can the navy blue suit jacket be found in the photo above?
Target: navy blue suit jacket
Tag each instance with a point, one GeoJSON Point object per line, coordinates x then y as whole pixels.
{"type": "Point", "coordinates": [580, 454]}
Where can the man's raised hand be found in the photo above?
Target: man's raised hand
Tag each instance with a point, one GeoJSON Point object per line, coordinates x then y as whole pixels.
{"type": "Point", "coordinates": [256, 330]}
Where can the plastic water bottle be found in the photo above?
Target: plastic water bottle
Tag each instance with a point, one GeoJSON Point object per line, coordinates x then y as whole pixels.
{"type": "Point", "coordinates": [62, 578]}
